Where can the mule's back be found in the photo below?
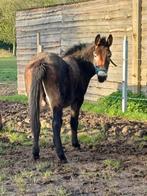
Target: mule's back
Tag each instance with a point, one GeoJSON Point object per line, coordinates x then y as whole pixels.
{"type": "Point", "coordinates": [66, 76]}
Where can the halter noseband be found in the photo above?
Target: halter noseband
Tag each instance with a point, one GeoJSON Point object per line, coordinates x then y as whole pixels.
{"type": "Point", "coordinates": [100, 71]}
{"type": "Point", "coordinates": [97, 69]}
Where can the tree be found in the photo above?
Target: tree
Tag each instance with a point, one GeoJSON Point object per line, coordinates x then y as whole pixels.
{"type": "Point", "coordinates": [7, 22]}
{"type": "Point", "coordinates": [8, 10]}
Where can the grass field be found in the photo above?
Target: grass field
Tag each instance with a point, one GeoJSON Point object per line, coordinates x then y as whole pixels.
{"type": "Point", "coordinates": [8, 69]}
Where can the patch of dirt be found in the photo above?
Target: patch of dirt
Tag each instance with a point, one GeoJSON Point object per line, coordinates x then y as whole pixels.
{"type": "Point", "coordinates": [89, 171]}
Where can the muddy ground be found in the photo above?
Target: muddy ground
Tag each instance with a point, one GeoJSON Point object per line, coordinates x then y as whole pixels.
{"type": "Point", "coordinates": [112, 159]}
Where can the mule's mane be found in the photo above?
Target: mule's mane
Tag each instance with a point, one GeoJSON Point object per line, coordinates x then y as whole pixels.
{"type": "Point", "coordinates": [75, 48]}
{"type": "Point", "coordinates": [81, 46]}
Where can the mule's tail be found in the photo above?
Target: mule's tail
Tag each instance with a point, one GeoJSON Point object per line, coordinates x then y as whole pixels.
{"type": "Point", "coordinates": [38, 74]}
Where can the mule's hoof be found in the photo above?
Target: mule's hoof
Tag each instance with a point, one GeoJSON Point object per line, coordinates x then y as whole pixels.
{"type": "Point", "coordinates": [77, 146]}
{"type": "Point", "coordinates": [36, 157]}
{"type": "Point", "coordinates": [62, 158]}
{"type": "Point", "coordinates": [63, 161]}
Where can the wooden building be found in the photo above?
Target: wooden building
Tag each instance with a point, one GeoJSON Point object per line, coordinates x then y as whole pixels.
{"type": "Point", "coordinates": [56, 28]}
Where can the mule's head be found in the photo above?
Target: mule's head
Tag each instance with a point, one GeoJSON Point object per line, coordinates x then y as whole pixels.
{"type": "Point", "coordinates": [101, 56]}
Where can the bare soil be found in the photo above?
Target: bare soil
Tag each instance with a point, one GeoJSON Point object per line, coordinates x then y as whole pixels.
{"type": "Point", "coordinates": [115, 164]}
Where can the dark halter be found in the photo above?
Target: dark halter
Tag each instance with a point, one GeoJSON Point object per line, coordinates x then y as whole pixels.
{"type": "Point", "coordinates": [97, 69]}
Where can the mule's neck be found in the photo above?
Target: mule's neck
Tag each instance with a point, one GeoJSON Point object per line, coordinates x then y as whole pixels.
{"type": "Point", "coordinates": [85, 58]}
{"type": "Point", "coordinates": [83, 54]}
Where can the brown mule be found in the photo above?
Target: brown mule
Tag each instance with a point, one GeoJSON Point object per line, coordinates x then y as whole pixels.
{"type": "Point", "coordinates": [63, 81]}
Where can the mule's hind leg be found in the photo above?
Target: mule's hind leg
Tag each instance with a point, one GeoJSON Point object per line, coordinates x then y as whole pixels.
{"type": "Point", "coordinates": [56, 123]}
{"type": "Point", "coordinates": [74, 122]}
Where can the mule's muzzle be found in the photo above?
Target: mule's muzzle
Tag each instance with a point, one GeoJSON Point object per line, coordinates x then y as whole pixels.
{"type": "Point", "coordinates": [102, 79]}
{"type": "Point", "coordinates": [102, 75]}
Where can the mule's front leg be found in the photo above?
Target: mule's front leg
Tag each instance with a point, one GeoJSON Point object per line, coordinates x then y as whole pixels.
{"type": "Point", "coordinates": [74, 122]}
{"type": "Point", "coordinates": [74, 127]}
{"type": "Point", "coordinates": [57, 122]}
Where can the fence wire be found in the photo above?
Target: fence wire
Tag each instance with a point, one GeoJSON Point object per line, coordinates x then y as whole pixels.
{"type": "Point", "coordinates": [130, 98]}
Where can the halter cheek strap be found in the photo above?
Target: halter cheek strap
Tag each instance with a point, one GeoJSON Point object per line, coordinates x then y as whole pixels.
{"type": "Point", "coordinates": [97, 69]}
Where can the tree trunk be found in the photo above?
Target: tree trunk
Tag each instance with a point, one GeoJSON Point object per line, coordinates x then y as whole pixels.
{"type": "Point", "coordinates": [14, 48]}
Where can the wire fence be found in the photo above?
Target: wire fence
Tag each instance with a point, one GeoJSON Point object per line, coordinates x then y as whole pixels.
{"type": "Point", "coordinates": [125, 74]}
{"type": "Point", "coordinates": [130, 98]}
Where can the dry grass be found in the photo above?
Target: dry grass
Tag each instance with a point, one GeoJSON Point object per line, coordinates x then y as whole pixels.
{"type": "Point", "coordinates": [5, 53]}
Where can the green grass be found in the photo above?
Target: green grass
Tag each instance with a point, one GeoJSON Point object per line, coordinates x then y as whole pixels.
{"type": "Point", "coordinates": [92, 139]}
{"type": "Point", "coordinates": [113, 164]}
{"type": "Point", "coordinates": [16, 137]}
{"type": "Point", "coordinates": [3, 176]}
{"type": "Point", "coordinates": [4, 163]}
{"type": "Point", "coordinates": [46, 3]}
{"type": "Point", "coordinates": [15, 98]}
{"type": "Point", "coordinates": [20, 183]}
{"type": "Point", "coordinates": [111, 106]}
{"type": "Point", "coordinates": [43, 166]}
{"type": "Point", "coordinates": [5, 53]}
{"type": "Point", "coordinates": [13, 137]}
{"type": "Point", "coordinates": [8, 69]}
{"type": "Point", "coordinates": [2, 190]}
{"type": "Point", "coordinates": [4, 146]}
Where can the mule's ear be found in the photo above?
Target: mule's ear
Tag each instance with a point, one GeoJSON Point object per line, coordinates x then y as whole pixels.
{"type": "Point", "coordinates": [97, 39]}
{"type": "Point", "coordinates": [110, 40]}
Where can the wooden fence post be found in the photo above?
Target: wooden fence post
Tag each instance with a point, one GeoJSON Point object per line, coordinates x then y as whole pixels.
{"type": "Point", "coordinates": [39, 46]}
{"type": "Point", "coordinates": [136, 45]}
